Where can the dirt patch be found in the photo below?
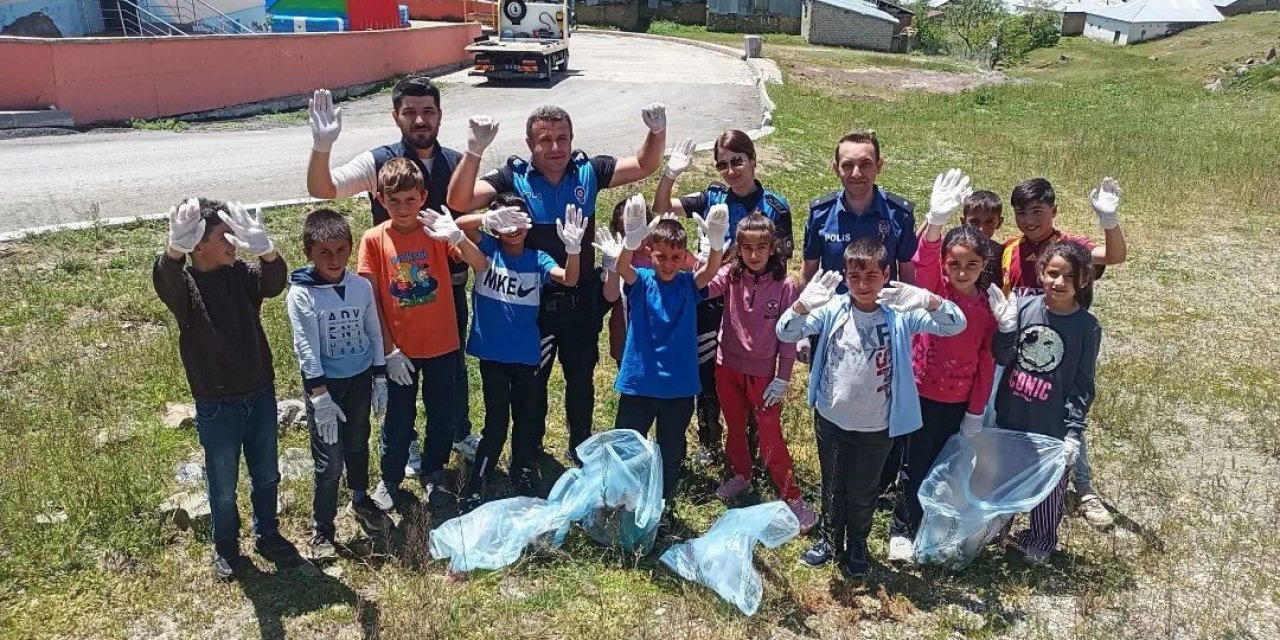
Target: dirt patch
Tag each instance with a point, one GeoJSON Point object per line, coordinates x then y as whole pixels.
{"type": "Point", "coordinates": [894, 80]}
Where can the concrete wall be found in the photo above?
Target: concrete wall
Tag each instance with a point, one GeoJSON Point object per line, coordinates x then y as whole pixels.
{"type": "Point", "coordinates": [65, 14]}
{"type": "Point", "coordinates": [753, 23]}
{"type": "Point", "coordinates": [1073, 24]}
{"type": "Point", "coordinates": [681, 12]}
{"type": "Point", "coordinates": [1106, 29]}
{"type": "Point", "coordinates": [825, 24]}
{"type": "Point", "coordinates": [1250, 6]}
{"type": "Point", "coordinates": [103, 79]}
{"type": "Point", "coordinates": [628, 16]}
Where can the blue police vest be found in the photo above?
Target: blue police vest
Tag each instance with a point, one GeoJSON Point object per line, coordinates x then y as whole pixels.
{"type": "Point", "coordinates": [889, 218]}
{"type": "Point", "coordinates": [768, 203]}
{"type": "Point", "coordinates": [547, 201]}
{"type": "Point", "coordinates": [443, 162]}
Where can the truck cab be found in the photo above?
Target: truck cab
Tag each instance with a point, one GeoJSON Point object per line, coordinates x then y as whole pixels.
{"type": "Point", "coordinates": [530, 40]}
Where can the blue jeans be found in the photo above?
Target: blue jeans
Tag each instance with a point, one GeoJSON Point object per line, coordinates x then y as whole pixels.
{"type": "Point", "coordinates": [437, 378]}
{"type": "Point", "coordinates": [225, 428]}
{"type": "Point", "coordinates": [461, 390]}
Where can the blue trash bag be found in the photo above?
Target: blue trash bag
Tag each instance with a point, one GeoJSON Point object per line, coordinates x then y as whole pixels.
{"type": "Point", "coordinates": [617, 494]}
{"type": "Point", "coordinates": [977, 485]}
{"type": "Point", "coordinates": [721, 559]}
{"type": "Point", "coordinates": [494, 534]}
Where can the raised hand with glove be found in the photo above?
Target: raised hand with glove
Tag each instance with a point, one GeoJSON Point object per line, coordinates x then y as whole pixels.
{"type": "Point", "coordinates": [1004, 309]}
{"type": "Point", "coordinates": [818, 292]}
{"type": "Point", "coordinates": [441, 226]}
{"type": "Point", "coordinates": [327, 414]}
{"type": "Point", "coordinates": [326, 121]}
{"type": "Point", "coordinates": [609, 247]}
{"type": "Point", "coordinates": [481, 130]}
{"type": "Point", "coordinates": [505, 220]}
{"type": "Point", "coordinates": [635, 222]}
{"type": "Point", "coordinates": [399, 368]}
{"type": "Point", "coordinates": [715, 226]}
{"type": "Point", "coordinates": [902, 297]}
{"type": "Point", "coordinates": [655, 117]}
{"type": "Point", "coordinates": [186, 227]}
{"type": "Point", "coordinates": [571, 230]}
{"type": "Point", "coordinates": [247, 232]}
{"type": "Point", "coordinates": [680, 159]}
{"type": "Point", "coordinates": [949, 191]}
{"type": "Point", "coordinates": [1105, 201]}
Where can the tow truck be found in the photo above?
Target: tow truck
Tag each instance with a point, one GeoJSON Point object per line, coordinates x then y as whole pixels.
{"type": "Point", "coordinates": [530, 40]}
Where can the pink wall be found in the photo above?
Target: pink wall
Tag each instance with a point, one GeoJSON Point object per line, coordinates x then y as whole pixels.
{"type": "Point", "coordinates": [100, 79]}
{"type": "Point", "coordinates": [452, 10]}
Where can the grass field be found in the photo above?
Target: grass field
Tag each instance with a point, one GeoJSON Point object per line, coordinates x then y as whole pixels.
{"type": "Point", "coordinates": [1184, 435]}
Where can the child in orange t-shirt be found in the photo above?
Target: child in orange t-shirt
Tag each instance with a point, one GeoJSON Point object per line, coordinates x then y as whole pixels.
{"type": "Point", "coordinates": [406, 259]}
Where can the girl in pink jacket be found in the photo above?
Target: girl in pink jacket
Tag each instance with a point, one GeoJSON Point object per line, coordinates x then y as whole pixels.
{"type": "Point", "coordinates": [753, 368]}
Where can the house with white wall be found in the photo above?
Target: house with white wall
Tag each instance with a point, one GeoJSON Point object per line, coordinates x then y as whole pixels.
{"type": "Point", "coordinates": [1137, 20]}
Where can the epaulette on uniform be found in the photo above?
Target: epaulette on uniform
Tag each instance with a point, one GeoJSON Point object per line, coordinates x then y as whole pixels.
{"type": "Point", "coordinates": [899, 201]}
{"type": "Point", "coordinates": [823, 200]}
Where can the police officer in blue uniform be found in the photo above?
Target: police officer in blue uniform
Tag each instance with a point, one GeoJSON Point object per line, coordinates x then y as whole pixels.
{"type": "Point", "coordinates": [735, 160]}
{"type": "Point", "coordinates": [557, 175]}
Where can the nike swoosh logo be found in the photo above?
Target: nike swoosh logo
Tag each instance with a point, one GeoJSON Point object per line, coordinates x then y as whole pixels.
{"type": "Point", "coordinates": [522, 292]}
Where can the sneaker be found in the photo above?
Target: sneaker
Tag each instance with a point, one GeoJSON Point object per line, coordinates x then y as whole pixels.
{"type": "Point", "coordinates": [321, 547]}
{"type": "Point", "coordinates": [383, 496]}
{"type": "Point", "coordinates": [1094, 512]}
{"type": "Point", "coordinates": [467, 447]}
{"type": "Point", "coordinates": [1034, 555]}
{"type": "Point", "coordinates": [901, 549]}
{"type": "Point", "coordinates": [733, 487]}
{"type": "Point", "coordinates": [435, 495]}
{"type": "Point", "coordinates": [855, 564]}
{"type": "Point", "coordinates": [818, 555]}
{"type": "Point", "coordinates": [369, 514]}
{"type": "Point", "coordinates": [412, 468]}
{"type": "Point", "coordinates": [225, 559]}
{"type": "Point", "coordinates": [523, 483]}
{"type": "Point", "coordinates": [804, 514]}
{"type": "Point", "coordinates": [275, 548]}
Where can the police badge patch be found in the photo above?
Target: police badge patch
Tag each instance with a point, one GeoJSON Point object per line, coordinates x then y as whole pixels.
{"type": "Point", "coordinates": [884, 229]}
{"type": "Point", "coordinates": [581, 194]}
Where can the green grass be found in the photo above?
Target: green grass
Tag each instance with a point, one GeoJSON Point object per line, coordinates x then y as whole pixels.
{"type": "Point", "coordinates": [1183, 437]}
{"type": "Point", "coordinates": [700, 32]}
{"type": "Point", "coordinates": [158, 124]}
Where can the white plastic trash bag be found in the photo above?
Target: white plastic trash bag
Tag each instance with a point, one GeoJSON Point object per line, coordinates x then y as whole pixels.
{"type": "Point", "coordinates": [721, 559]}
{"type": "Point", "coordinates": [494, 534]}
{"type": "Point", "coordinates": [977, 485]}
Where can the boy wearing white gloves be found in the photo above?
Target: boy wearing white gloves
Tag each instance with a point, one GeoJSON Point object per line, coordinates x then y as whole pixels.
{"type": "Point", "coordinates": [338, 341]}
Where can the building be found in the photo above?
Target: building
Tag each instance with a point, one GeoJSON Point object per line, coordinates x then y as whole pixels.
{"type": "Point", "coordinates": [1237, 7]}
{"type": "Point", "coordinates": [854, 23]}
{"type": "Point", "coordinates": [1137, 20]}
{"type": "Point", "coordinates": [754, 16]}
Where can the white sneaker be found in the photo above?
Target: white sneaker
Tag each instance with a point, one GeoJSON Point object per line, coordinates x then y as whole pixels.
{"type": "Point", "coordinates": [381, 496]}
{"type": "Point", "coordinates": [467, 447]}
{"type": "Point", "coordinates": [901, 549]}
{"type": "Point", "coordinates": [413, 468]}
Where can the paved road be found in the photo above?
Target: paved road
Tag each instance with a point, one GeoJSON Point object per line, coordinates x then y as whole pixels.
{"type": "Point", "coordinates": [68, 178]}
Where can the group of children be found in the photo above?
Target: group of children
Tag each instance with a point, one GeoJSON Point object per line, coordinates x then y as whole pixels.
{"type": "Point", "coordinates": [890, 359]}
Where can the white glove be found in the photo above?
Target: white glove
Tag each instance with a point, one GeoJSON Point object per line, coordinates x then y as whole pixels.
{"type": "Point", "coordinates": [379, 400]}
{"type": "Point", "coordinates": [715, 226]}
{"type": "Point", "coordinates": [949, 191]}
{"type": "Point", "coordinates": [247, 232]}
{"type": "Point", "coordinates": [655, 117]}
{"type": "Point", "coordinates": [326, 121]}
{"type": "Point", "coordinates": [681, 158]}
{"type": "Point", "coordinates": [1071, 447]}
{"type": "Point", "coordinates": [441, 226]}
{"type": "Point", "coordinates": [327, 414]}
{"type": "Point", "coordinates": [1106, 203]}
{"type": "Point", "coordinates": [186, 228]}
{"type": "Point", "coordinates": [902, 297]}
{"type": "Point", "coordinates": [775, 391]}
{"type": "Point", "coordinates": [572, 229]}
{"type": "Point", "coordinates": [1004, 309]}
{"type": "Point", "coordinates": [704, 249]}
{"type": "Point", "coordinates": [635, 227]}
{"type": "Point", "coordinates": [480, 133]}
{"type": "Point", "coordinates": [971, 424]}
{"type": "Point", "coordinates": [609, 248]}
{"type": "Point", "coordinates": [819, 290]}
{"type": "Point", "coordinates": [399, 368]}
{"type": "Point", "coordinates": [506, 220]}
{"type": "Point", "coordinates": [802, 350]}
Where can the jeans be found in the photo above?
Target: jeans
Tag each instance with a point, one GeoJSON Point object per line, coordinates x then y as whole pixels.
{"type": "Point", "coordinates": [941, 420]}
{"type": "Point", "coordinates": [709, 314]}
{"type": "Point", "coordinates": [461, 390]}
{"type": "Point", "coordinates": [353, 396]}
{"type": "Point", "coordinates": [851, 464]}
{"type": "Point", "coordinates": [638, 413]}
{"type": "Point", "coordinates": [437, 376]}
{"type": "Point", "coordinates": [570, 327]}
{"type": "Point", "coordinates": [742, 395]}
{"type": "Point", "coordinates": [1081, 473]}
{"type": "Point", "coordinates": [226, 428]}
{"type": "Point", "coordinates": [510, 392]}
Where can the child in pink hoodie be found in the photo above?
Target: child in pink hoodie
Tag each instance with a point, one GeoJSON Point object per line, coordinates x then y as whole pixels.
{"type": "Point", "coordinates": [753, 368]}
{"type": "Point", "coordinates": [953, 374]}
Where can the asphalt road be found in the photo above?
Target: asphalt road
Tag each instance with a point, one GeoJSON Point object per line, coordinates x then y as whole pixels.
{"type": "Point", "coordinates": [58, 179]}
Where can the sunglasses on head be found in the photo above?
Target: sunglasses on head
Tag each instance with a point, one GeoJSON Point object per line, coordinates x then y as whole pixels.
{"type": "Point", "coordinates": [736, 162]}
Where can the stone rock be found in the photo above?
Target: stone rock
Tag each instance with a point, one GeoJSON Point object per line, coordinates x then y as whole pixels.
{"type": "Point", "coordinates": [188, 474]}
{"type": "Point", "coordinates": [1062, 57]}
{"type": "Point", "coordinates": [1153, 58]}
{"type": "Point", "coordinates": [108, 436]}
{"type": "Point", "coordinates": [1271, 55]}
{"type": "Point", "coordinates": [291, 413]}
{"type": "Point", "coordinates": [1215, 86]}
{"type": "Point", "coordinates": [179, 415]}
{"type": "Point", "coordinates": [284, 500]}
{"type": "Point", "coordinates": [295, 463]}
{"type": "Point", "coordinates": [186, 508]}
{"type": "Point", "coordinates": [53, 515]}
{"type": "Point", "coordinates": [333, 571]}
{"type": "Point", "coordinates": [1242, 70]}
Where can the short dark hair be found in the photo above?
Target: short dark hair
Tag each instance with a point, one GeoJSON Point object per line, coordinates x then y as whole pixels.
{"type": "Point", "coordinates": [670, 233]}
{"type": "Point", "coordinates": [860, 136]}
{"type": "Point", "coordinates": [1029, 192]}
{"type": "Point", "coordinates": [209, 209]}
{"type": "Point", "coordinates": [865, 251]}
{"type": "Point", "coordinates": [735, 141]}
{"type": "Point", "coordinates": [324, 225]}
{"type": "Point", "coordinates": [547, 113]}
{"type": "Point", "coordinates": [415, 86]}
{"type": "Point", "coordinates": [509, 199]}
{"type": "Point", "coordinates": [983, 201]}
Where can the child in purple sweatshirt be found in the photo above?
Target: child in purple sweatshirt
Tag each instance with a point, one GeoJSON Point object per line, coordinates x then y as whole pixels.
{"type": "Point", "coordinates": [753, 367]}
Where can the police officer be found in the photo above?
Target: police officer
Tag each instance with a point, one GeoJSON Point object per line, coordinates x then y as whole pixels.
{"type": "Point", "coordinates": [415, 108]}
{"type": "Point", "coordinates": [554, 176]}
{"type": "Point", "coordinates": [735, 160]}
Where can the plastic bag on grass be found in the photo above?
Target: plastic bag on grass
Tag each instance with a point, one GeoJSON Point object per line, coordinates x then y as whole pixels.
{"type": "Point", "coordinates": [494, 534]}
{"type": "Point", "coordinates": [721, 558]}
{"type": "Point", "coordinates": [617, 494]}
{"type": "Point", "coordinates": [977, 485]}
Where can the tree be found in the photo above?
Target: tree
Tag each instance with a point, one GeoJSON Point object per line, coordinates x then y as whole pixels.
{"type": "Point", "coordinates": [931, 34]}
{"type": "Point", "coordinates": [975, 23]}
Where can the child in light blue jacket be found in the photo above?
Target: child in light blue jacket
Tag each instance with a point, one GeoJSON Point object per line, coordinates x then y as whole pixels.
{"type": "Point", "coordinates": [861, 386]}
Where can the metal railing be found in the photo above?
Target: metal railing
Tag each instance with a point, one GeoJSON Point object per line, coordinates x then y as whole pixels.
{"type": "Point", "coordinates": [167, 18]}
{"type": "Point", "coordinates": [197, 16]}
{"type": "Point", "coordinates": [134, 20]}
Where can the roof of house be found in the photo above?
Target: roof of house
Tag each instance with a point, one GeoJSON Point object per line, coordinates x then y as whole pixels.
{"type": "Point", "coordinates": [860, 7]}
{"type": "Point", "coordinates": [1017, 5]}
{"type": "Point", "coordinates": [1137, 11]}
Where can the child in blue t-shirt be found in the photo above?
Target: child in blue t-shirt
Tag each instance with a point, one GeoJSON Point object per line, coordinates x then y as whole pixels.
{"type": "Point", "coordinates": [504, 331]}
{"type": "Point", "coordinates": [658, 377]}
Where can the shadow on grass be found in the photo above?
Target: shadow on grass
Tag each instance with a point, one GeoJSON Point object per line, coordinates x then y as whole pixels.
{"type": "Point", "coordinates": [297, 588]}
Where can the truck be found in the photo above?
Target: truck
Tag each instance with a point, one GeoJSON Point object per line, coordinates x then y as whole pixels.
{"type": "Point", "coordinates": [530, 40]}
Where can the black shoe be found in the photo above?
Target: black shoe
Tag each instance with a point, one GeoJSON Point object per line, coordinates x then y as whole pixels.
{"type": "Point", "coordinates": [370, 517]}
{"type": "Point", "coordinates": [322, 547]}
{"type": "Point", "coordinates": [855, 564]}
{"type": "Point", "coordinates": [276, 549]}
{"type": "Point", "coordinates": [523, 483]}
{"type": "Point", "coordinates": [435, 495]}
{"type": "Point", "coordinates": [818, 555]}
{"type": "Point", "coordinates": [225, 559]}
